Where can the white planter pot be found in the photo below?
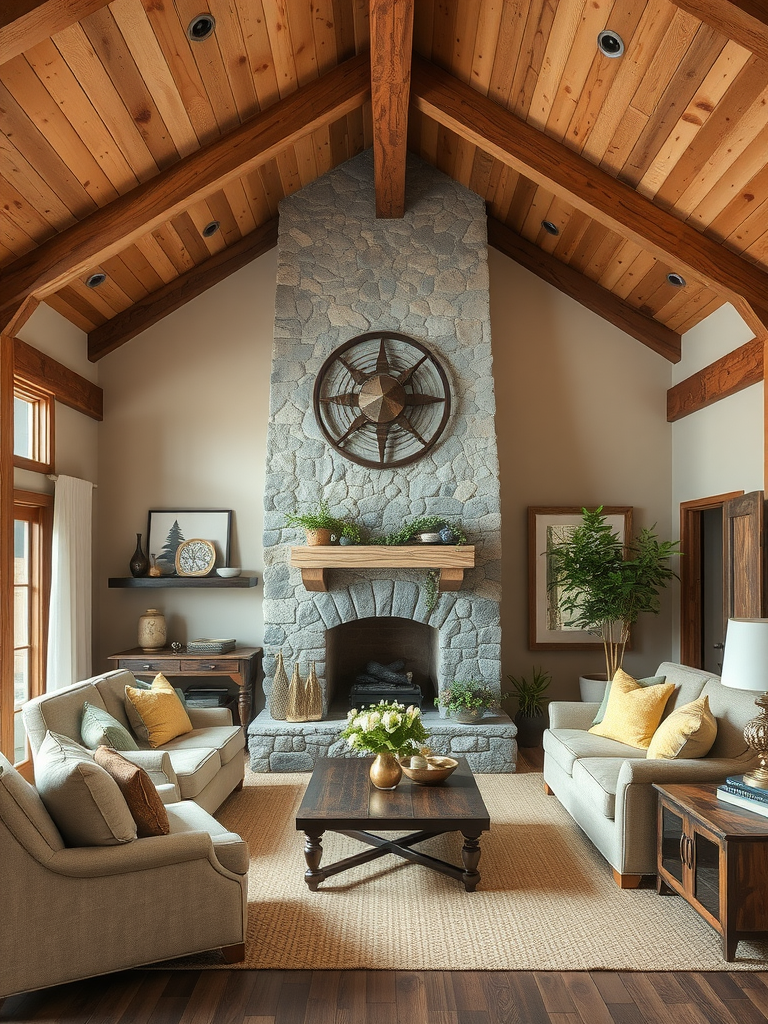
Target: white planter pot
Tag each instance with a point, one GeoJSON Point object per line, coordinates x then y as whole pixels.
{"type": "Point", "coordinates": [592, 688]}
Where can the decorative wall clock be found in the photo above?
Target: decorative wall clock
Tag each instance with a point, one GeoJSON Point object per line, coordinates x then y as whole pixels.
{"type": "Point", "coordinates": [382, 399]}
{"type": "Point", "coordinates": [195, 557]}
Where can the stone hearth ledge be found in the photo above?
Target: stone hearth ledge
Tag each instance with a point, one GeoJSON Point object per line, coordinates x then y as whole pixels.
{"type": "Point", "coordinates": [489, 746]}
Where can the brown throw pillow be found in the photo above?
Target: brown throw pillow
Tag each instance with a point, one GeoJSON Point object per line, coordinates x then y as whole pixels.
{"type": "Point", "coordinates": [143, 800]}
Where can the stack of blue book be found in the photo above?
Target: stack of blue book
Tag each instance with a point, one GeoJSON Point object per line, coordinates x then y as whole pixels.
{"type": "Point", "coordinates": [736, 791]}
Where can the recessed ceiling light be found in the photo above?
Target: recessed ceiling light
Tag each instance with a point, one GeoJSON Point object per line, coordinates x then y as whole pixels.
{"type": "Point", "coordinates": [211, 228]}
{"type": "Point", "coordinates": [676, 280]}
{"type": "Point", "coordinates": [201, 27]}
{"type": "Point", "coordinates": [610, 44]}
{"type": "Point", "coordinates": [550, 228]}
{"type": "Point", "coordinates": [95, 280]}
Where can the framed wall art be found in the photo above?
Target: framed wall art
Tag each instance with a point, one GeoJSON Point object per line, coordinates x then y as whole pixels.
{"type": "Point", "coordinates": [168, 529]}
{"type": "Point", "coordinates": [548, 627]}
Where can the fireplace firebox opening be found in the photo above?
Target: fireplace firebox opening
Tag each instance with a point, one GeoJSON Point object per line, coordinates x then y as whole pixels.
{"type": "Point", "coordinates": [349, 648]}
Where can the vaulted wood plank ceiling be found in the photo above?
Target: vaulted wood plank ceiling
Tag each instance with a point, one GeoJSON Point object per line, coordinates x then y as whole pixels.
{"type": "Point", "coordinates": [122, 139]}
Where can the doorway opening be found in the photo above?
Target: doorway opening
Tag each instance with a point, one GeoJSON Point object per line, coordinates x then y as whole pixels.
{"type": "Point", "coordinates": [703, 609]}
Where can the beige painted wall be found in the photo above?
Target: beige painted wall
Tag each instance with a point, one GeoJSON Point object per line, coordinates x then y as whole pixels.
{"type": "Point", "coordinates": [185, 427]}
{"type": "Point", "coordinates": [581, 421]}
{"type": "Point", "coordinates": [718, 449]}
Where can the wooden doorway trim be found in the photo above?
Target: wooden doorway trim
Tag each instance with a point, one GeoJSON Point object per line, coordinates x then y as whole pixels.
{"type": "Point", "coordinates": [690, 573]}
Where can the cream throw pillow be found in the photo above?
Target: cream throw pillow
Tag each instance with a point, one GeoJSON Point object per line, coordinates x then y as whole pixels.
{"type": "Point", "coordinates": [688, 732]}
{"type": "Point", "coordinates": [156, 714]}
{"type": "Point", "coordinates": [633, 711]}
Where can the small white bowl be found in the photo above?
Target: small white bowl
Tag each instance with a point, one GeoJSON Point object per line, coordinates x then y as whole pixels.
{"type": "Point", "coordinates": [228, 572]}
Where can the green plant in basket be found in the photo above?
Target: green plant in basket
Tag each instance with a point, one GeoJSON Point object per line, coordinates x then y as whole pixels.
{"type": "Point", "coordinates": [385, 728]}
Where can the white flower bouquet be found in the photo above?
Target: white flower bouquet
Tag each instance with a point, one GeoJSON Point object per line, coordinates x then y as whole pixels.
{"type": "Point", "coordinates": [385, 728]}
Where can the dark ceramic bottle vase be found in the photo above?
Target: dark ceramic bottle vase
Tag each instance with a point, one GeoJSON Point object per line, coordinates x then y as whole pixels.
{"type": "Point", "coordinates": [139, 562]}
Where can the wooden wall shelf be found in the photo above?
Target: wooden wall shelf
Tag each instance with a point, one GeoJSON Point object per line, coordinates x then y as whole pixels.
{"type": "Point", "coordinates": [204, 582]}
{"type": "Point", "coordinates": [451, 560]}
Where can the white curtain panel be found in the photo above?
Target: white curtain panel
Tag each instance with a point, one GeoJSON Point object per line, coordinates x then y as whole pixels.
{"type": "Point", "coordinates": [69, 630]}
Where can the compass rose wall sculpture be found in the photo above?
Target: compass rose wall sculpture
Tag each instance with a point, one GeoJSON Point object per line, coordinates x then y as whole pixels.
{"type": "Point", "coordinates": [382, 399]}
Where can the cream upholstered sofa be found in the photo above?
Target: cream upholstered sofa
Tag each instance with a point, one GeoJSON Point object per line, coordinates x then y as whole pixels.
{"type": "Point", "coordinates": [206, 764]}
{"type": "Point", "coordinates": [74, 912]}
{"type": "Point", "coordinates": [607, 787]}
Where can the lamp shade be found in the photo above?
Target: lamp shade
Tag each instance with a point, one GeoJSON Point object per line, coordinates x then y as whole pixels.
{"type": "Point", "coordinates": [745, 658]}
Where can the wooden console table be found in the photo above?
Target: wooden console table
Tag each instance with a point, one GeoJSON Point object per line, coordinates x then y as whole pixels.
{"type": "Point", "coordinates": [241, 665]}
{"type": "Point", "coordinates": [715, 856]}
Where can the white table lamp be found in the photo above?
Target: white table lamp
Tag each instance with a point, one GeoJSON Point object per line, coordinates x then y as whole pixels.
{"type": "Point", "coordinates": [745, 667]}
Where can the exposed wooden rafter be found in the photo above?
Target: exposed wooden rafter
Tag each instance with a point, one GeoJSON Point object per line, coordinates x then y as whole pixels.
{"type": "Point", "coordinates": [590, 294]}
{"type": "Point", "coordinates": [13, 317]}
{"type": "Point", "coordinates": [24, 23]}
{"type": "Point", "coordinates": [154, 307]}
{"type": "Point", "coordinates": [391, 45]}
{"type": "Point", "coordinates": [726, 376]}
{"type": "Point", "coordinates": [744, 21]}
{"type": "Point", "coordinates": [111, 229]}
{"type": "Point", "coordinates": [65, 385]}
{"type": "Point", "coordinates": [591, 190]}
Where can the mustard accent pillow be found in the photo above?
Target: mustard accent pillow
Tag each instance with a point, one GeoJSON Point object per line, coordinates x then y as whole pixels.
{"type": "Point", "coordinates": [156, 714]}
{"type": "Point", "coordinates": [633, 711]}
{"type": "Point", "coordinates": [689, 731]}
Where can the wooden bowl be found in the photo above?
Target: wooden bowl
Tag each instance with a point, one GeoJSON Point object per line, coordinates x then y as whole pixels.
{"type": "Point", "coordinates": [438, 771]}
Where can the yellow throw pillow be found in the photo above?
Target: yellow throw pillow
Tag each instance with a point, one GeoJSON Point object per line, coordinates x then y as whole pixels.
{"type": "Point", "coordinates": [633, 711]}
{"type": "Point", "coordinates": [688, 732]}
{"type": "Point", "coordinates": [159, 711]}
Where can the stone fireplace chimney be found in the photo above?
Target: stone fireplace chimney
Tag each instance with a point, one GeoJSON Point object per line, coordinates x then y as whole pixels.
{"type": "Point", "coordinates": [342, 273]}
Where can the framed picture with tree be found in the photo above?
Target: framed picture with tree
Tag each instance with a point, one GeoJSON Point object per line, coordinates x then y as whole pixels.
{"type": "Point", "coordinates": [168, 529]}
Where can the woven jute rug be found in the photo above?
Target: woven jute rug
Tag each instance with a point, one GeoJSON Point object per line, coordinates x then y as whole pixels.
{"type": "Point", "coordinates": [546, 900]}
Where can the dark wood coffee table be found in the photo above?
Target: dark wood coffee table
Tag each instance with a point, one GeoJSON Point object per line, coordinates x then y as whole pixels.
{"type": "Point", "coordinates": [341, 798]}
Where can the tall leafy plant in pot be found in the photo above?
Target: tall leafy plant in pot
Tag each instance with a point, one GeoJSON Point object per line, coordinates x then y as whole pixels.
{"type": "Point", "coordinates": [604, 585]}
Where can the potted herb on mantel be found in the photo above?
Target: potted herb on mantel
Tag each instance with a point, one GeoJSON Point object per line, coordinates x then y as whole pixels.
{"type": "Point", "coordinates": [605, 585]}
{"type": "Point", "coordinates": [321, 527]}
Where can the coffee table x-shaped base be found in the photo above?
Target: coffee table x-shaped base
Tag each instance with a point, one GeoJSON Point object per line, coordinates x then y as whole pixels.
{"type": "Point", "coordinates": [401, 847]}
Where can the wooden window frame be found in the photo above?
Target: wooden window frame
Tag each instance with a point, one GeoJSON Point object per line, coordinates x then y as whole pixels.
{"type": "Point", "coordinates": [44, 406]}
{"type": "Point", "coordinates": [36, 509]}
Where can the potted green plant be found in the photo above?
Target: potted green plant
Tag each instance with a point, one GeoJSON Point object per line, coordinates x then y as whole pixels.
{"type": "Point", "coordinates": [467, 700]}
{"type": "Point", "coordinates": [605, 585]}
{"type": "Point", "coordinates": [530, 718]}
{"type": "Point", "coordinates": [321, 527]}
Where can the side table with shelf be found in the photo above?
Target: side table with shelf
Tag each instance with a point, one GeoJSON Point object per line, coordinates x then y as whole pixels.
{"type": "Point", "coordinates": [715, 856]}
{"type": "Point", "coordinates": [240, 665]}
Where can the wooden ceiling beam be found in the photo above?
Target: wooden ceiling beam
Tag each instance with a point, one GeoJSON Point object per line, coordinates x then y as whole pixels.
{"type": "Point", "coordinates": [64, 384]}
{"type": "Point", "coordinates": [14, 316]}
{"type": "Point", "coordinates": [726, 376]}
{"type": "Point", "coordinates": [590, 294]}
{"type": "Point", "coordinates": [151, 309]}
{"type": "Point", "coordinates": [24, 23]}
{"type": "Point", "coordinates": [391, 46]}
{"type": "Point", "coordinates": [113, 228]}
{"type": "Point", "coordinates": [547, 162]}
{"type": "Point", "coordinates": [743, 21]}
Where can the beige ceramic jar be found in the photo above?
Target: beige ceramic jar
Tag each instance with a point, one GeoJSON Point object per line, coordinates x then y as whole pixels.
{"type": "Point", "coordinates": [152, 632]}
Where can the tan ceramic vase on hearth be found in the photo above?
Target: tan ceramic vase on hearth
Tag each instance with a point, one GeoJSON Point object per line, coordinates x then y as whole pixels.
{"type": "Point", "coordinates": [313, 696]}
{"type": "Point", "coordinates": [297, 699]}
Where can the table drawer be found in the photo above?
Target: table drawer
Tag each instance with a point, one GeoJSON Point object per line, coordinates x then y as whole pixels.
{"type": "Point", "coordinates": [209, 665]}
{"type": "Point", "coordinates": [150, 664]}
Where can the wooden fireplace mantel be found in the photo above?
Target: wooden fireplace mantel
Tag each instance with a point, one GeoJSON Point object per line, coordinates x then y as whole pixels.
{"type": "Point", "coordinates": [450, 559]}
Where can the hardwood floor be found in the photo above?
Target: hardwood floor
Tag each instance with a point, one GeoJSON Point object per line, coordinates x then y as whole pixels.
{"type": "Point", "coordinates": [400, 997]}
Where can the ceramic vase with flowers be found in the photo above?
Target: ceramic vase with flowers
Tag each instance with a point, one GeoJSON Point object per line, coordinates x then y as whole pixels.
{"type": "Point", "coordinates": [388, 730]}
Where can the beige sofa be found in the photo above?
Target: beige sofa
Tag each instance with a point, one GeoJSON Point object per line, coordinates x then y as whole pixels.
{"type": "Point", "coordinates": [207, 764]}
{"type": "Point", "coordinates": [607, 787]}
{"type": "Point", "coordinates": [71, 913]}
